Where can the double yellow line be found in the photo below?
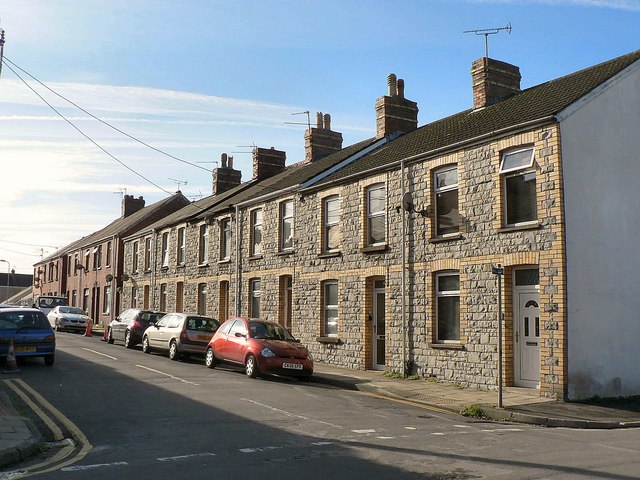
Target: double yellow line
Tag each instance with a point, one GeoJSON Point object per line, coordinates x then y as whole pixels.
{"type": "Point", "coordinates": [52, 418]}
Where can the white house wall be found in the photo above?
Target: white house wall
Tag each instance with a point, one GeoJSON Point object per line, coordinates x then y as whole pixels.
{"type": "Point", "coordinates": [601, 169]}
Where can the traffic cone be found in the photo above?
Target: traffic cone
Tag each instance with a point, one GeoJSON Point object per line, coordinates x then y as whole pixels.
{"type": "Point", "coordinates": [11, 366]}
{"type": "Point", "coordinates": [88, 332]}
{"type": "Point", "coordinates": [105, 337]}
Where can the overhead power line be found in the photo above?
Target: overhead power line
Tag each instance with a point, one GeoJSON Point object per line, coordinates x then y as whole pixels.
{"type": "Point", "coordinates": [155, 149]}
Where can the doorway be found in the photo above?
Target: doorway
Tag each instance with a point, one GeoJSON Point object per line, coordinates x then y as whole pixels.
{"type": "Point", "coordinates": [526, 331]}
{"type": "Point", "coordinates": [379, 325]}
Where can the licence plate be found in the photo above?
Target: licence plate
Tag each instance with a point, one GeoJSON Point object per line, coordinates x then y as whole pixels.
{"type": "Point", "coordinates": [204, 337]}
{"type": "Point", "coordinates": [292, 366]}
{"type": "Point", "coordinates": [25, 349]}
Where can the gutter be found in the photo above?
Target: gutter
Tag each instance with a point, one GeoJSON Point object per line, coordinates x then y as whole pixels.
{"type": "Point", "coordinates": [437, 151]}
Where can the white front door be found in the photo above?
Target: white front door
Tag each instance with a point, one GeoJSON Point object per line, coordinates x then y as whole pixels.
{"type": "Point", "coordinates": [379, 326]}
{"type": "Point", "coordinates": [527, 337]}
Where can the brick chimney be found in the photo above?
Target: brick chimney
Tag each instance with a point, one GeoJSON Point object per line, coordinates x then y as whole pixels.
{"type": "Point", "coordinates": [394, 113]}
{"type": "Point", "coordinates": [267, 162]}
{"type": "Point", "coordinates": [321, 141]}
{"type": "Point", "coordinates": [131, 205]}
{"type": "Point", "coordinates": [493, 80]}
{"type": "Point", "coordinates": [225, 176]}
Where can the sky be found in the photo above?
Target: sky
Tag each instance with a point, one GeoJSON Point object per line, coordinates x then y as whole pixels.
{"type": "Point", "coordinates": [197, 78]}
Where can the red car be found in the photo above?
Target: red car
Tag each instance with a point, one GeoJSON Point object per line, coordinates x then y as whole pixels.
{"type": "Point", "coordinates": [260, 347]}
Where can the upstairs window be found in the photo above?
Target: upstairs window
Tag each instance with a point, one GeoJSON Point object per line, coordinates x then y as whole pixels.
{"type": "Point", "coordinates": [134, 265]}
{"type": "Point", "coordinates": [330, 229]}
{"type": "Point", "coordinates": [256, 232]}
{"type": "Point", "coordinates": [519, 187]}
{"type": "Point", "coordinates": [165, 249]}
{"type": "Point", "coordinates": [180, 250]}
{"type": "Point", "coordinates": [99, 256]}
{"type": "Point", "coordinates": [446, 201]}
{"type": "Point", "coordinates": [225, 239]}
{"type": "Point", "coordinates": [286, 225]}
{"type": "Point", "coordinates": [376, 222]}
{"type": "Point", "coordinates": [203, 244]}
{"type": "Point", "coordinates": [147, 253]}
{"type": "Point", "coordinates": [109, 253]}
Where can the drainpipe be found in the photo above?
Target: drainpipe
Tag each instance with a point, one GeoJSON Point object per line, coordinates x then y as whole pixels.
{"type": "Point", "coordinates": [154, 241]}
{"type": "Point", "coordinates": [152, 281]}
{"type": "Point", "coordinates": [114, 280]}
{"type": "Point", "coordinates": [404, 273]}
{"type": "Point", "coordinates": [237, 285]}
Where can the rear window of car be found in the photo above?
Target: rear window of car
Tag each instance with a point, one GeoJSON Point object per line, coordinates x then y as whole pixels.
{"type": "Point", "coordinates": [23, 320]}
{"type": "Point", "coordinates": [202, 324]}
{"type": "Point", "coordinates": [151, 316]}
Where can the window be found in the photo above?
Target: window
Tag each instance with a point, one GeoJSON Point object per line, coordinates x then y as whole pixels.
{"type": "Point", "coordinates": [95, 258]}
{"type": "Point", "coordinates": [225, 239]}
{"type": "Point", "coordinates": [135, 257]}
{"type": "Point", "coordinates": [165, 249]}
{"type": "Point", "coordinates": [202, 299]}
{"type": "Point", "coordinates": [85, 300]}
{"type": "Point", "coordinates": [203, 244]}
{"type": "Point", "coordinates": [51, 272]}
{"type": "Point", "coordinates": [256, 232]}
{"type": "Point", "coordinates": [254, 298]}
{"type": "Point", "coordinates": [448, 307]}
{"type": "Point", "coordinates": [181, 246]}
{"type": "Point", "coordinates": [99, 256]}
{"type": "Point", "coordinates": [145, 298]}
{"type": "Point", "coordinates": [163, 297]}
{"type": "Point", "coordinates": [106, 301]}
{"type": "Point", "coordinates": [134, 297]}
{"type": "Point", "coordinates": [69, 262]}
{"type": "Point", "coordinates": [446, 201]}
{"type": "Point", "coordinates": [74, 298]}
{"type": "Point", "coordinates": [519, 186]}
{"type": "Point", "coordinates": [330, 308]}
{"type": "Point", "coordinates": [147, 254]}
{"type": "Point", "coordinates": [330, 231]}
{"type": "Point", "coordinates": [286, 225]}
{"type": "Point", "coordinates": [179, 296]}
{"type": "Point", "coordinates": [76, 264]}
{"type": "Point", "coordinates": [87, 254]}
{"type": "Point", "coordinates": [376, 226]}
{"type": "Point", "coordinates": [107, 261]}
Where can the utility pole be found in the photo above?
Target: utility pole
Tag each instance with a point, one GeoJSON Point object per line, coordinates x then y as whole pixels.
{"type": "Point", "coordinates": [1, 49]}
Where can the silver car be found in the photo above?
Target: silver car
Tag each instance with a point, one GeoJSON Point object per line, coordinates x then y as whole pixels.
{"type": "Point", "coordinates": [180, 334]}
{"type": "Point", "coordinates": [68, 318]}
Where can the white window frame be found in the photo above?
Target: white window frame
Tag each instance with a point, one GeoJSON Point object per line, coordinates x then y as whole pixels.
{"type": "Point", "coordinates": [203, 244]}
{"type": "Point", "coordinates": [180, 252]}
{"type": "Point", "coordinates": [445, 189]}
{"type": "Point", "coordinates": [373, 215]}
{"type": "Point", "coordinates": [286, 218]}
{"type": "Point", "coordinates": [256, 227]}
{"type": "Point", "coordinates": [202, 299]}
{"type": "Point", "coordinates": [525, 168]}
{"type": "Point", "coordinates": [328, 226]}
{"type": "Point", "coordinates": [135, 255]}
{"type": "Point", "coordinates": [147, 254]}
{"type": "Point", "coordinates": [106, 307]}
{"type": "Point", "coordinates": [446, 294]}
{"type": "Point", "coordinates": [254, 297]}
{"type": "Point", "coordinates": [165, 249]}
{"type": "Point", "coordinates": [328, 308]}
{"type": "Point", "coordinates": [109, 254]}
{"type": "Point", "coordinates": [163, 297]}
{"type": "Point", "coordinates": [225, 239]}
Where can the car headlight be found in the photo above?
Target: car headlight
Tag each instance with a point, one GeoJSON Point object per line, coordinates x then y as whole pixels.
{"type": "Point", "coordinates": [266, 352]}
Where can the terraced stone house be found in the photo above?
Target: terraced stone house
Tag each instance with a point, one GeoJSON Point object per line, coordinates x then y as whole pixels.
{"type": "Point", "coordinates": [382, 255]}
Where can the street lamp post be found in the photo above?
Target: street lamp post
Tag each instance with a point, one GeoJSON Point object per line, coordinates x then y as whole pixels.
{"type": "Point", "coordinates": [498, 272]}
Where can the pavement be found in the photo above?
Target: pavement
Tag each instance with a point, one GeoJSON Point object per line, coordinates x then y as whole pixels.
{"type": "Point", "coordinates": [20, 439]}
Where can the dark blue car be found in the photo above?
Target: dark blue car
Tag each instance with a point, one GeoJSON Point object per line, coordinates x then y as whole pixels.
{"type": "Point", "coordinates": [30, 331]}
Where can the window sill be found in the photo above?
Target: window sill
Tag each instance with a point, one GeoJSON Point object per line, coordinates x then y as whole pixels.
{"type": "Point", "coordinates": [447, 346]}
{"type": "Point", "coordinates": [164, 268]}
{"type": "Point", "coordinates": [285, 252]}
{"type": "Point", "coordinates": [255, 257]}
{"type": "Point", "coordinates": [535, 225]}
{"type": "Point", "coordinates": [147, 270]}
{"type": "Point", "coordinates": [329, 254]}
{"type": "Point", "coordinates": [335, 340]}
{"type": "Point", "coordinates": [180, 265]}
{"type": "Point", "coordinates": [224, 261]}
{"type": "Point", "coordinates": [446, 238]}
{"type": "Point", "coordinates": [200, 265]}
{"type": "Point", "coordinates": [375, 249]}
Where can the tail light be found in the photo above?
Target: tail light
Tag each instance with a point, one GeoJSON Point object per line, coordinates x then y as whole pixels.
{"type": "Point", "coordinates": [50, 339]}
{"type": "Point", "coordinates": [184, 338]}
{"type": "Point", "coordinates": [136, 325]}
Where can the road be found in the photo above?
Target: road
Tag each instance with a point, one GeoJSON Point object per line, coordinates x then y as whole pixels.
{"type": "Point", "coordinates": [146, 417]}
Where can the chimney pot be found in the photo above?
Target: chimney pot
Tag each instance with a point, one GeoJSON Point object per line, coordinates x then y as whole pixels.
{"type": "Point", "coordinates": [401, 88]}
{"type": "Point", "coordinates": [327, 121]}
{"type": "Point", "coordinates": [318, 119]}
{"type": "Point", "coordinates": [391, 82]}
{"type": "Point", "coordinates": [225, 177]}
{"type": "Point", "coordinates": [321, 141]}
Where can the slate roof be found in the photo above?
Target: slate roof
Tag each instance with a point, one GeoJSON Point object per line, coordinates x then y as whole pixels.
{"type": "Point", "coordinates": [119, 227]}
{"type": "Point", "coordinates": [535, 103]}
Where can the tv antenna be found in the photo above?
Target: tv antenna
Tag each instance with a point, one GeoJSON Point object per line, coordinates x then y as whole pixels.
{"type": "Point", "coordinates": [178, 182]}
{"type": "Point", "coordinates": [253, 146]}
{"type": "Point", "coordinates": [122, 192]}
{"type": "Point", "coordinates": [308, 124]}
{"type": "Point", "coordinates": [489, 31]}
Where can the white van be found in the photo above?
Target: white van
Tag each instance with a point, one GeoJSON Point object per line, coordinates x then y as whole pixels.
{"type": "Point", "coordinates": [46, 303]}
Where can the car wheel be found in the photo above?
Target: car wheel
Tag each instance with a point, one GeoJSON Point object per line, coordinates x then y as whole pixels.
{"type": "Point", "coordinates": [173, 351]}
{"type": "Point", "coordinates": [145, 345]}
{"type": "Point", "coordinates": [251, 367]}
{"type": "Point", "coordinates": [127, 339]}
{"type": "Point", "coordinates": [109, 336]}
{"type": "Point", "coordinates": [49, 359]}
{"type": "Point", "coordinates": [210, 359]}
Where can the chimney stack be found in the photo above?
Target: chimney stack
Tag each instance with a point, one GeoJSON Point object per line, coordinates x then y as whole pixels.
{"type": "Point", "coordinates": [320, 141]}
{"type": "Point", "coordinates": [131, 205]}
{"type": "Point", "coordinates": [493, 80]}
{"type": "Point", "coordinates": [394, 113]}
{"type": "Point", "coordinates": [225, 176]}
{"type": "Point", "coordinates": [267, 162]}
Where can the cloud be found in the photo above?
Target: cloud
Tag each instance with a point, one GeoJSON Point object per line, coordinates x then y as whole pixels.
{"type": "Point", "coordinates": [631, 5]}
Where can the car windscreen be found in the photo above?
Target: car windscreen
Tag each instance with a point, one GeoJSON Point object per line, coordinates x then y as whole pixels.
{"type": "Point", "coordinates": [202, 324]}
{"type": "Point", "coordinates": [23, 321]}
{"type": "Point", "coordinates": [270, 331]}
{"type": "Point", "coordinates": [74, 310]}
{"type": "Point", "coordinates": [51, 302]}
